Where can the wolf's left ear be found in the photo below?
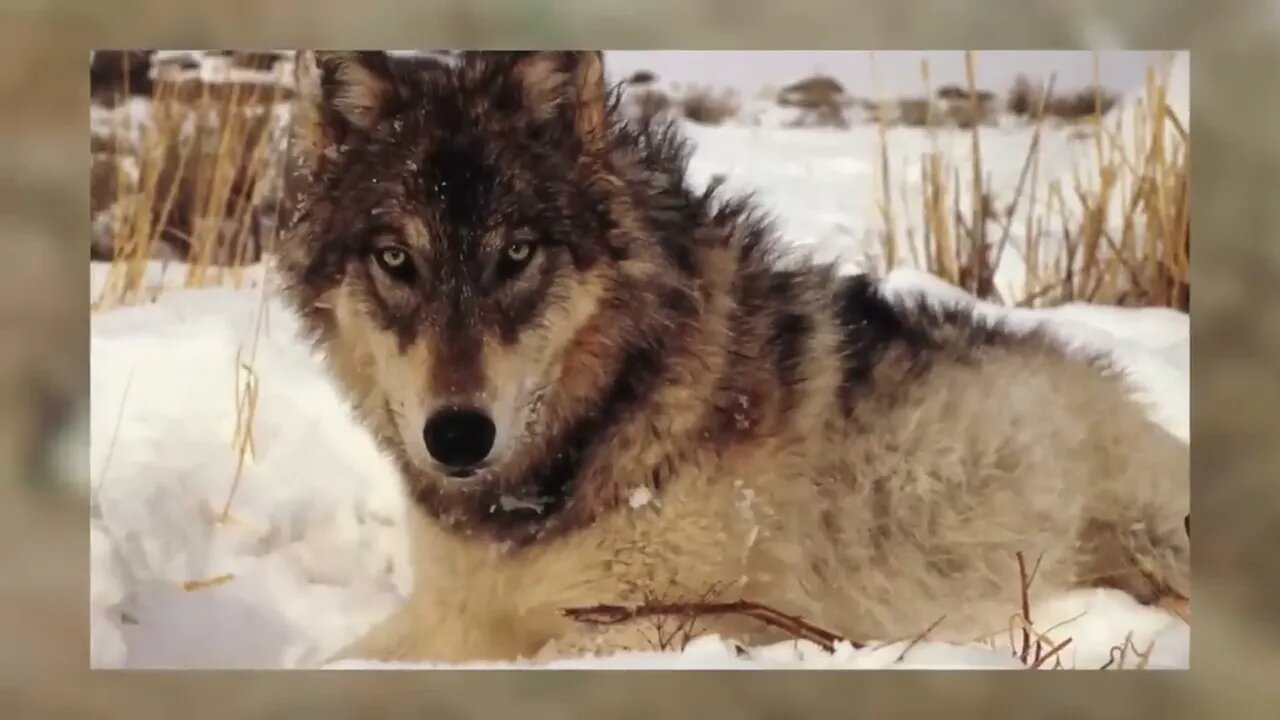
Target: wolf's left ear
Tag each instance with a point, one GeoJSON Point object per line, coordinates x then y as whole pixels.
{"type": "Point", "coordinates": [342, 92]}
{"type": "Point", "coordinates": [569, 82]}
{"type": "Point", "coordinates": [359, 86]}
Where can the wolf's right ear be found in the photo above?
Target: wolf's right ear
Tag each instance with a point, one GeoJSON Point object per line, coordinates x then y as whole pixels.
{"type": "Point", "coordinates": [565, 83]}
{"type": "Point", "coordinates": [341, 93]}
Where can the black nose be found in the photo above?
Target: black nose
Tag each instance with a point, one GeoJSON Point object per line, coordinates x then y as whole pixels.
{"type": "Point", "coordinates": [459, 437]}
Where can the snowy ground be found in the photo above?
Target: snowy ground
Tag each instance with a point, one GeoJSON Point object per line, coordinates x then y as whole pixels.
{"type": "Point", "coordinates": [312, 551]}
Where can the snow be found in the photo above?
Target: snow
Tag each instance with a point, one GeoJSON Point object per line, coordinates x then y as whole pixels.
{"type": "Point", "coordinates": [126, 121]}
{"type": "Point", "coordinates": [640, 497]}
{"type": "Point", "coordinates": [311, 538]}
{"type": "Point", "coordinates": [312, 551]}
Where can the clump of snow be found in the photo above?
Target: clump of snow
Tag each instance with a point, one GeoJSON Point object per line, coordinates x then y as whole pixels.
{"type": "Point", "coordinates": [127, 121]}
{"type": "Point", "coordinates": [640, 497]}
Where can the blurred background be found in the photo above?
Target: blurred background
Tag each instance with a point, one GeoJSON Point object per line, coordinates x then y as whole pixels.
{"type": "Point", "coordinates": [748, 72]}
{"type": "Point", "coordinates": [44, 304]}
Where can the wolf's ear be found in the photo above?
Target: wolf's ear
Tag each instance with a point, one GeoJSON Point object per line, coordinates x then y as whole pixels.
{"type": "Point", "coordinates": [359, 86]}
{"type": "Point", "coordinates": [343, 92]}
{"type": "Point", "coordinates": [570, 83]}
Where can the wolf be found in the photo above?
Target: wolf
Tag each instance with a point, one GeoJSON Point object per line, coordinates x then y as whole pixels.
{"type": "Point", "coordinates": [602, 386]}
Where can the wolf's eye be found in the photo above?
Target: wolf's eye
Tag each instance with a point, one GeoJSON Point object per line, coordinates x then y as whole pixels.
{"type": "Point", "coordinates": [514, 258]}
{"type": "Point", "coordinates": [394, 261]}
{"type": "Point", "coordinates": [519, 252]}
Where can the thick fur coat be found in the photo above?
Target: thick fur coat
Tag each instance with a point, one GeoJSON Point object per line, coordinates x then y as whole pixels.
{"type": "Point", "coordinates": [674, 414]}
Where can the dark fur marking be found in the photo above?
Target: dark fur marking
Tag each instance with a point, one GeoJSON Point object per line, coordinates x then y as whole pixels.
{"type": "Point", "coordinates": [947, 566]}
{"type": "Point", "coordinates": [388, 318]}
{"type": "Point", "coordinates": [457, 369]}
{"type": "Point", "coordinates": [680, 255]}
{"type": "Point", "coordinates": [658, 476]}
{"type": "Point", "coordinates": [818, 566]}
{"type": "Point", "coordinates": [636, 376]}
{"type": "Point", "coordinates": [880, 516]}
{"type": "Point", "coordinates": [734, 415]}
{"type": "Point", "coordinates": [789, 333]}
{"type": "Point", "coordinates": [679, 302]}
{"type": "Point", "coordinates": [459, 179]}
{"type": "Point", "coordinates": [869, 325]}
{"type": "Point", "coordinates": [872, 325]}
{"type": "Point", "coordinates": [525, 307]}
{"type": "Point", "coordinates": [739, 403]}
{"type": "Point", "coordinates": [831, 522]}
{"type": "Point", "coordinates": [326, 268]}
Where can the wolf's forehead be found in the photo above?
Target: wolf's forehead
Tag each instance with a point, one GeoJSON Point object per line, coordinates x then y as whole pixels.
{"type": "Point", "coordinates": [460, 181]}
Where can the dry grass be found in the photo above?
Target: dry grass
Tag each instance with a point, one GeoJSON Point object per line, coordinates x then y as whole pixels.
{"type": "Point", "coordinates": [690, 611]}
{"type": "Point", "coordinates": [242, 436]}
{"type": "Point", "coordinates": [246, 398]}
{"type": "Point", "coordinates": [207, 169]}
{"type": "Point", "coordinates": [1120, 655]}
{"type": "Point", "coordinates": [1031, 653]}
{"type": "Point", "coordinates": [1072, 244]}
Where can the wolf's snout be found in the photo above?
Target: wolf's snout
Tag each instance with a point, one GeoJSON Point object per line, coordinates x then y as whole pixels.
{"type": "Point", "coordinates": [459, 438]}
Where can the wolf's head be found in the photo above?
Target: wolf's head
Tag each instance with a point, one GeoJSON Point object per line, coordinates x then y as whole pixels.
{"type": "Point", "coordinates": [491, 259]}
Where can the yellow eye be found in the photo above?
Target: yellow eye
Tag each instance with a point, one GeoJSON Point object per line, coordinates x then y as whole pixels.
{"type": "Point", "coordinates": [393, 257]}
{"type": "Point", "coordinates": [519, 252]}
{"type": "Point", "coordinates": [395, 262]}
